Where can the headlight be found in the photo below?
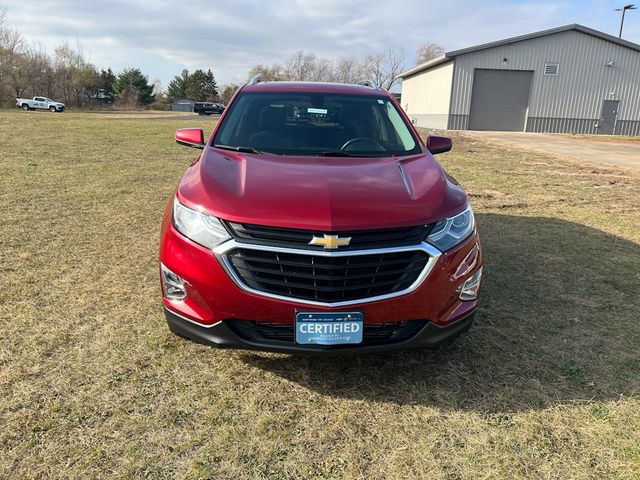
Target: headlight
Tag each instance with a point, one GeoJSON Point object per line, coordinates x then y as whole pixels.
{"type": "Point", "coordinates": [451, 231]}
{"type": "Point", "coordinates": [199, 227]}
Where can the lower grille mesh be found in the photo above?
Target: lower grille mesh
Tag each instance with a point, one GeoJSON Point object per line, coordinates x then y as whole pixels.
{"type": "Point", "coordinates": [283, 332]}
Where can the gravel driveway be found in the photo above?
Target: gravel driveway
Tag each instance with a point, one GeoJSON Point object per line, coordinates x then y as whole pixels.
{"type": "Point", "coordinates": [621, 151]}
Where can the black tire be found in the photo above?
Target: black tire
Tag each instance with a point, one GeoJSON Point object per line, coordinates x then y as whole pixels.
{"type": "Point", "coordinates": [52, 109]}
{"type": "Point", "coordinates": [25, 107]}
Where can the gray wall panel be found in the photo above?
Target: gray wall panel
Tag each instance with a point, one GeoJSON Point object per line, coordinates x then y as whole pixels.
{"type": "Point", "coordinates": [562, 125]}
{"type": "Point", "coordinates": [628, 127]}
{"type": "Point", "coordinates": [458, 122]}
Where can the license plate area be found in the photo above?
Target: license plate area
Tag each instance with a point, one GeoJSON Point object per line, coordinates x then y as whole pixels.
{"type": "Point", "coordinates": [329, 328]}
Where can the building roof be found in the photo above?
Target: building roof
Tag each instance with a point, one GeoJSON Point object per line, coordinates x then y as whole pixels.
{"type": "Point", "coordinates": [507, 41]}
{"type": "Point", "coordinates": [426, 65]}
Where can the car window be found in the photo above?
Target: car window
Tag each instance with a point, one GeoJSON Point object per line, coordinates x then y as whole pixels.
{"type": "Point", "coordinates": [39, 99]}
{"type": "Point", "coordinates": [316, 124]}
{"type": "Point", "coordinates": [396, 120]}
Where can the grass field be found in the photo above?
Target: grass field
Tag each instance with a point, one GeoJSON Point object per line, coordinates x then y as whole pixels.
{"type": "Point", "coordinates": [93, 385]}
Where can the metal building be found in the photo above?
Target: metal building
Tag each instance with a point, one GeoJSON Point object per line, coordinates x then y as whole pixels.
{"type": "Point", "coordinates": [182, 106]}
{"type": "Point", "coordinates": [570, 79]}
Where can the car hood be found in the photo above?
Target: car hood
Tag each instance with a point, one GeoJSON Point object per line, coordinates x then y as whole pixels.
{"type": "Point", "coordinates": [321, 193]}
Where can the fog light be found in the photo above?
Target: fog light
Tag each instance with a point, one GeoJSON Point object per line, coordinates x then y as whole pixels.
{"type": "Point", "coordinates": [172, 284]}
{"type": "Point", "coordinates": [470, 287]}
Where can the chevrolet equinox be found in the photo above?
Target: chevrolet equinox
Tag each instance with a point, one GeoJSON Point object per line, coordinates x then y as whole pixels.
{"type": "Point", "coordinates": [316, 220]}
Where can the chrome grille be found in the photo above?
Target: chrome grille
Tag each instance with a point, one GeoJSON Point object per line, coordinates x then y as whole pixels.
{"type": "Point", "coordinates": [327, 278]}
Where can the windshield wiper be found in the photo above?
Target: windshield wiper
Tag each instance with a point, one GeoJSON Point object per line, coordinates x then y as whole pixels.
{"type": "Point", "coordinates": [336, 153]}
{"type": "Point", "coordinates": [238, 149]}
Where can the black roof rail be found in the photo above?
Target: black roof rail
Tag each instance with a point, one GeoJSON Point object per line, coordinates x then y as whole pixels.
{"type": "Point", "coordinates": [369, 83]}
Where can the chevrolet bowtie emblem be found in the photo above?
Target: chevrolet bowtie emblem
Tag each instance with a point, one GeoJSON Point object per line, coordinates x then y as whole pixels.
{"type": "Point", "coordinates": [330, 241]}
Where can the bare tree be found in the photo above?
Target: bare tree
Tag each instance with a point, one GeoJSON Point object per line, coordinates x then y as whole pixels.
{"type": "Point", "coordinates": [381, 67]}
{"type": "Point", "coordinates": [308, 67]}
{"type": "Point", "coordinates": [267, 73]}
{"type": "Point", "coordinates": [300, 67]}
{"type": "Point", "coordinates": [428, 51]}
{"type": "Point", "coordinates": [385, 67]}
{"type": "Point", "coordinates": [324, 70]}
{"type": "Point", "coordinates": [157, 87]}
{"type": "Point", "coordinates": [75, 75]}
{"type": "Point", "coordinates": [12, 48]}
{"type": "Point", "coordinates": [227, 91]}
{"type": "Point", "coordinates": [23, 68]}
{"type": "Point", "coordinates": [348, 70]}
{"type": "Point", "coordinates": [41, 72]}
{"type": "Point", "coordinates": [32, 74]}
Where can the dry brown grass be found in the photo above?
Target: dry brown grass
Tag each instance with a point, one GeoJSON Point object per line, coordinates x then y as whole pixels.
{"type": "Point", "coordinates": [604, 138]}
{"type": "Point", "coordinates": [92, 384]}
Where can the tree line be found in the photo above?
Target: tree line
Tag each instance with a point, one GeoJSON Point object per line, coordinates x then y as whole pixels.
{"type": "Point", "coordinates": [383, 68]}
{"type": "Point", "coordinates": [27, 70]}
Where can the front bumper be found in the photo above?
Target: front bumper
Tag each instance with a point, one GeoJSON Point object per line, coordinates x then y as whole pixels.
{"type": "Point", "coordinates": [215, 301]}
{"type": "Point", "coordinates": [221, 335]}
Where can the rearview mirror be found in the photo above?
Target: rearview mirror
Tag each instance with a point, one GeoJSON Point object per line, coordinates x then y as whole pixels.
{"type": "Point", "coordinates": [190, 137]}
{"type": "Point", "coordinates": [437, 144]}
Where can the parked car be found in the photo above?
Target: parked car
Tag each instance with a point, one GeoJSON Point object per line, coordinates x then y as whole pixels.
{"type": "Point", "coordinates": [331, 232]}
{"type": "Point", "coordinates": [40, 103]}
{"type": "Point", "coordinates": [207, 108]}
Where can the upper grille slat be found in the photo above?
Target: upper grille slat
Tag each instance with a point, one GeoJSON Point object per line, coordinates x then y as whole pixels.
{"type": "Point", "coordinates": [299, 238]}
{"type": "Point", "coordinates": [321, 276]}
{"type": "Point", "coordinates": [310, 261]}
{"type": "Point", "coordinates": [320, 288]}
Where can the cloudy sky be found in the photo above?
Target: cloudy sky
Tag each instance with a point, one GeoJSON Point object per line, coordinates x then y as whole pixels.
{"type": "Point", "coordinates": [230, 36]}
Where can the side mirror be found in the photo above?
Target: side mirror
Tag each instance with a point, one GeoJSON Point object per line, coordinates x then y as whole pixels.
{"type": "Point", "coordinates": [190, 137]}
{"type": "Point", "coordinates": [437, 144]}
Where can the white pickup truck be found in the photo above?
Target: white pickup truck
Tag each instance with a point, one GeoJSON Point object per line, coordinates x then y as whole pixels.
{"type": "Point", "coordinates": [40, 103]}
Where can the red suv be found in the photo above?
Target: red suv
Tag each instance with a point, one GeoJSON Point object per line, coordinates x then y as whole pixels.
{"type": "Point", "coordinates": [317, 221]}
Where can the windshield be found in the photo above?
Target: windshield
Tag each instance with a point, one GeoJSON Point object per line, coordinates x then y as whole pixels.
{"type": "Point", "coordinates": [316, 124]}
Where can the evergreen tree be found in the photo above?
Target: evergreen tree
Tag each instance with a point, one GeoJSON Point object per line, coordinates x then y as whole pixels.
{"type": "Point", "coordinates": [195, 90]}
{"type": "Point", "coordinates": [177, 88]}
{"type": "Point", "coordinates": [210, 86]}
{"type": "Point", "coordinates": [198, 86]}
{"type": "Point", "coordinates": [107, 81]}
{"type": "Point", "coordinates": [132, 88]}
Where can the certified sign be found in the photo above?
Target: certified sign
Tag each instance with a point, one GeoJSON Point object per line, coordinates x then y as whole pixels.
{"type": "Point", "coordinates": [336, 328]}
